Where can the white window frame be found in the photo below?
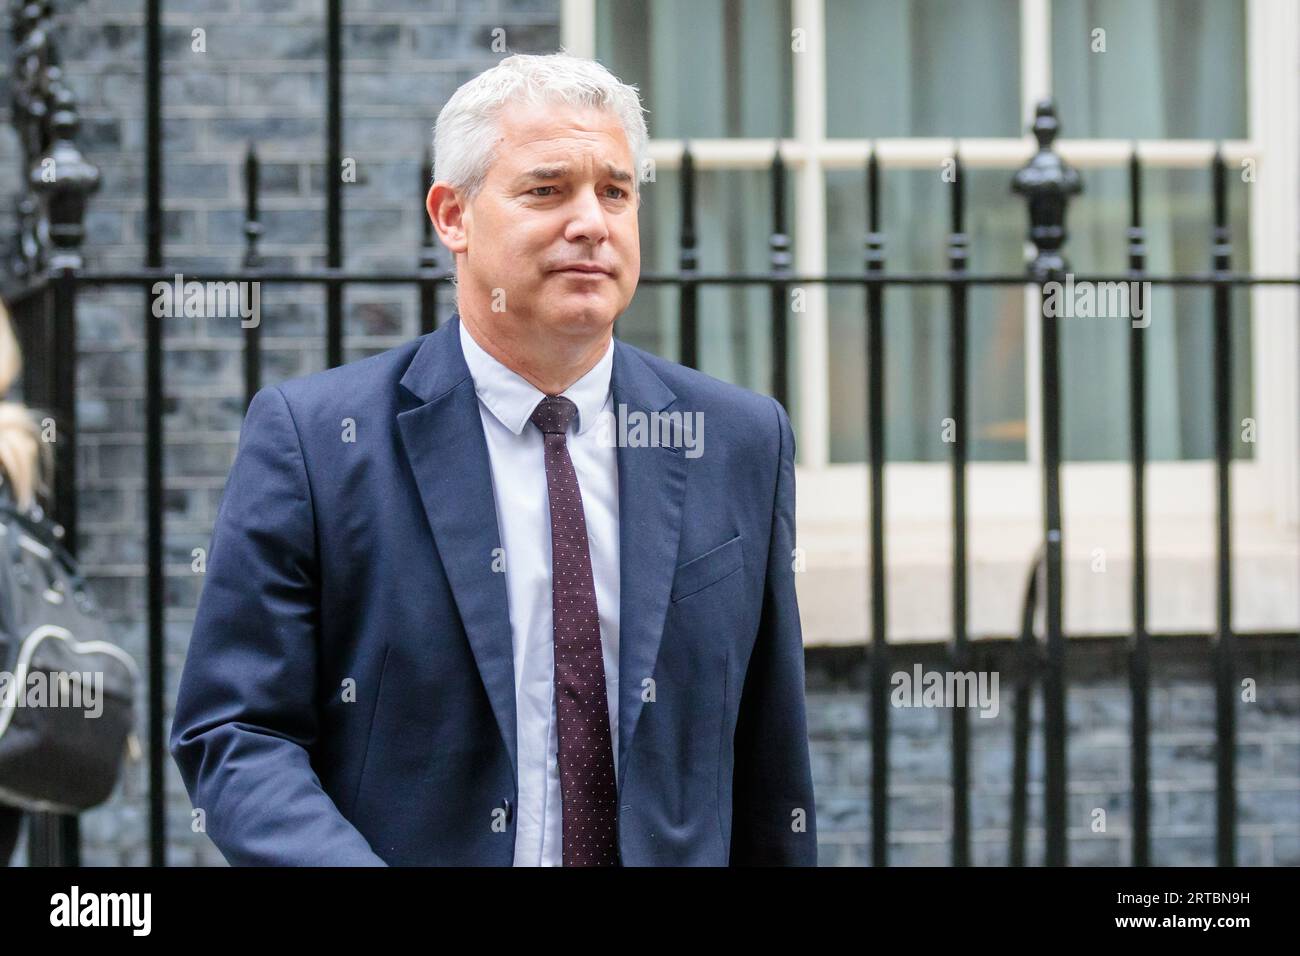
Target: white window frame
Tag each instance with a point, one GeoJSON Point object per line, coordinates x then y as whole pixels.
{"type": "Point", "coordinates": [1264, 486]}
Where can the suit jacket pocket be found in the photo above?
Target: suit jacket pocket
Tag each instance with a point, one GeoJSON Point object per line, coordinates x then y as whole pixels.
{"type": "Point", "coordinates": [710, 567]}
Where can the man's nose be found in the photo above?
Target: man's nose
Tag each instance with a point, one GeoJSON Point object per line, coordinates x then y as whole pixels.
{"type": "Point", "coordinates": [588, 218]}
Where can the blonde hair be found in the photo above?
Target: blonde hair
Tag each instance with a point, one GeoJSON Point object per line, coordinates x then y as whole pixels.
{"type": "Point", "coordinates": [25, 460]}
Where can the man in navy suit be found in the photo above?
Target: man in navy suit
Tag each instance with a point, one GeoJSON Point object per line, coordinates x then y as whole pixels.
{"type": "Point", "coordinates": [497, 596]}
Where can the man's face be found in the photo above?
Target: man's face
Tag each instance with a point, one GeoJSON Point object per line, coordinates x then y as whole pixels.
{"type": "Point", "coordinates": [558, 198]}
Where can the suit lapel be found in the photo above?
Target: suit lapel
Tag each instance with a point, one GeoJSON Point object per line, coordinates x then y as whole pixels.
{"type": "Point", "coordinates": [449, 458]}
{"type": "Point", "coordinates": [444, 441]}
{"type": "Point", "coordinates": [651, 484]}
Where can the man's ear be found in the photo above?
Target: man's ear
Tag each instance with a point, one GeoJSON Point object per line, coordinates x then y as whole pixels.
{"type": "Point", "coordinates": [447, 211]}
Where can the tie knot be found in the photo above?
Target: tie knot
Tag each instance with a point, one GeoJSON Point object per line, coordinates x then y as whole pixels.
{"type": "Point", "coordinates": [553, 414]}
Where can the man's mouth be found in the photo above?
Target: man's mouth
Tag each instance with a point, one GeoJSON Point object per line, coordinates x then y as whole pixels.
{"type": "Point", "coordinates": [593, 271]}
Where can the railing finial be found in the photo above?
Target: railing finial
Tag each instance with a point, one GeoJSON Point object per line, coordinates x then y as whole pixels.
{"type": "Point", "coordinates": [59, 179]}
{"type": "Point", "coordinates": [64, 180]}
{"type": "Point", "coordinates": [1047, 184]}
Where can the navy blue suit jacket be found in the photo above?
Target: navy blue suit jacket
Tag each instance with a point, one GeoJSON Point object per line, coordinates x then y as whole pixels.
{"type": "Point", "coordinates": [348, 697]}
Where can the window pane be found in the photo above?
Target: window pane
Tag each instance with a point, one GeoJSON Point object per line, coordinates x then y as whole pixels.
{"type": "Point", "coordinates": [915, 220]}
{"type": "Point", "coordinates": [703, 68]}
{"type": "Point", "coordinates": [922, 68]}
{"type": "Point", "coordinates": [1177, 211]}
{"type": "Point", "coordinates": [1171, 69]}
{"type": "Point", "coordinates": [733, 222]}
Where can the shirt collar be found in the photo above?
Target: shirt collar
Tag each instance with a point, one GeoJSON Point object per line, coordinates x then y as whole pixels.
{"type": "Point", "coordinates": [512, 398]}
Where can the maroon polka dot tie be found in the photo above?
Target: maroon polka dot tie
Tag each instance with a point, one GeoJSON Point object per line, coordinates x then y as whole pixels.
{"type": "Point", "coordinates": [587, 785]}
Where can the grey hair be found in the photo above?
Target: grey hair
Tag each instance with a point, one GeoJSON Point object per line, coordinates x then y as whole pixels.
{"type": "Point", "coordinates": [466, 134]}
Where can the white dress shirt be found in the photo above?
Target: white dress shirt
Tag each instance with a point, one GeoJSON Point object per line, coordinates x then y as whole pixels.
{"type": "Point", "coordinates": [517, 454]}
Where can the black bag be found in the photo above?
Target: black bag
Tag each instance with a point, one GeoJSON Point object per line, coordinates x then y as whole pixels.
{"type": "Point", "coordinates": [67, 693]}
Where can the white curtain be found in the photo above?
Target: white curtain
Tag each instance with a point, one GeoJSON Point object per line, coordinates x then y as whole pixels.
{"type": "Point", "coordinates": [708, 69]}
{"type": "Point", "coordinates": [1171, 69]}
{"type": "Point", "coordinates": [935, 68]}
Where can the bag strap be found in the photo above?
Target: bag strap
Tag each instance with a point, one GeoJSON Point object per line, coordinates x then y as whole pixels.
{"type": "Point", "coordinates": [42, 531]}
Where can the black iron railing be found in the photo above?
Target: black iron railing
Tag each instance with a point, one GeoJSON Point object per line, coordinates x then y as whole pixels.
{"type": "Point", "coordinates": [47, 273]}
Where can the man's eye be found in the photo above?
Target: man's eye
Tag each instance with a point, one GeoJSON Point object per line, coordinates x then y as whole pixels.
{"type": "Point", "coordinates": [621, 193]}
{"type": "Point", "coordinates": [534, 191]}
